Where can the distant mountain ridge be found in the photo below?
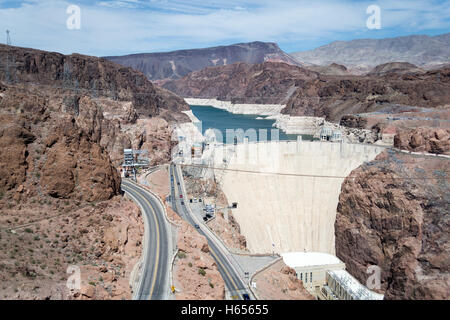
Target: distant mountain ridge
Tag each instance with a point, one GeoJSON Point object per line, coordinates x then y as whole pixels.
{"type": "Point", "coordinates": [364, 54]}
{"type": "Point", "coordinates": [309, 93]}
{"type": "Point", "coordinates": [177, 64]}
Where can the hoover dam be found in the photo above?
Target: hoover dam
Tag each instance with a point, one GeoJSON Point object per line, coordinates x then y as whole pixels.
{"type": "Point", "coordinates": [286, 191]}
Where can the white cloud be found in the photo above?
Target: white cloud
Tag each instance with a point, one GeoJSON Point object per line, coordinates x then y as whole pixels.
{"type": "Point", "coordinates": [129, 26]}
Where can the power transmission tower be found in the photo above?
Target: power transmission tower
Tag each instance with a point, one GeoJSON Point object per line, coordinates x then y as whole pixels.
{"type": "Point", "coordinates": [8, 38]}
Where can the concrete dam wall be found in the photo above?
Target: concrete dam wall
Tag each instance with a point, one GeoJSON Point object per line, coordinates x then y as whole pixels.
{"type": "Point", "coordinates": [284, 208]}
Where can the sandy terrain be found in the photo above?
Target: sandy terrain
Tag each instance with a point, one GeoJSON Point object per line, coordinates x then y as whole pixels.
{"type": "Point", "coordinates": [103, 240]}
{"type": "Point", "coordinates": [279, 282]}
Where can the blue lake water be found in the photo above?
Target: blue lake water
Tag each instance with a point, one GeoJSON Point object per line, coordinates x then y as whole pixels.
{"type": "Point", "coordinates": [214, 118]}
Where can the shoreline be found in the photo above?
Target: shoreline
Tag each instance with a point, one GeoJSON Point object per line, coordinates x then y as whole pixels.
{"type": "Point", "coordinates": [291, 125]}
{"type": "Point", "coordinates": [253, 109]}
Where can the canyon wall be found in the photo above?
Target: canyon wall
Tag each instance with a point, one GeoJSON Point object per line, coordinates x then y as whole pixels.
{"type": "Point", "coordinates": [393, 213]}
{"type": "Point", "coordinates": [308, 93]}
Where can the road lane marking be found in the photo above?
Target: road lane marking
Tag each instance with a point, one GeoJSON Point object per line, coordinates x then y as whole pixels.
{"type": "Point", "coordinates": [218, 260]}
{"type": "Point", "coordinates": [155, 271]}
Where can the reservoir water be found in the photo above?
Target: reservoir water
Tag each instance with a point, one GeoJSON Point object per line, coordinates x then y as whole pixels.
{"type": "Point", "coordinates": [214, 118]}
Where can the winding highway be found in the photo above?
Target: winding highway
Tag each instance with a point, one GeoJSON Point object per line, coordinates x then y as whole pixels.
{"type": "Point", "coordinates": [236, 287]}
{"type": "Point", "coordinates": [157, 248]}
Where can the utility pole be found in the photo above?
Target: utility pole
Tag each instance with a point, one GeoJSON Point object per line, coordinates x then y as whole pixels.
{"type": "Point", "coordinates": [8, 38]}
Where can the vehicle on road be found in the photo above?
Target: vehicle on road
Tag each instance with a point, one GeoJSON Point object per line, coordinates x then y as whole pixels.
{"type": "Point", "coordinates": [197, 226]}
{"type": "Point", "coordinates": [181, 196]}
{"type": "Point", "coordinates": [245, 296]}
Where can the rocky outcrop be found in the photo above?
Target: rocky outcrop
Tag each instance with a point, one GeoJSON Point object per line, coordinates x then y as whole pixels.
{"type": "Point", "coordinates": [177, 64]}
{"type": "Point", "coordinates": [352, 121]}
{"type": "Point", "coordinates": [333, 96]}
{"type": "Point", "coordinates": [333, 69]}
{"type": "Point", "coordinates": [266, 83]}
{"type": "Point", "coordinates": [392, 213]}
{"type": "Point", "coordinates": [431, 140]}
{"type": "Point", "coordinates": [48, 148]}
{"type": "Point", "coordinates": [64, 121]}
{"type": "Point", "coordinates": [94, 76]}
{"type": "Point", "coordinates": [394, 67]}
{"type": "Point", "coordinates": [307, 93]}
{"type": "Point", "coordinates": [75, 166]}
{"type": "Point", "coordinates": [279, 282]}
{"type": "Point", "coordinates": [115, 106]}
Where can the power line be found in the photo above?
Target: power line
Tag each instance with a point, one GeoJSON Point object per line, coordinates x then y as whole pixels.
{"type": "Point", "coordinates": [308, 175]}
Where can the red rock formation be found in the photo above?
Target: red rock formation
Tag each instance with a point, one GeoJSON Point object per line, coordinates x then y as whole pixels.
{"type": "Point", "coordinates": [432, 140]}
{"type": "Point", "coordinates": [398, 224]}
{"type": "Point", "coordinates": [81, 74]}
{"type": "Point", "coordinates": [269, 82]}
{"type": "Point", "coordinates": [308, 93]}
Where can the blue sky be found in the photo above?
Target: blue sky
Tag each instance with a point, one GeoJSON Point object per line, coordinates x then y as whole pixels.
{"type": "Point", "coordinates": [115, 27]}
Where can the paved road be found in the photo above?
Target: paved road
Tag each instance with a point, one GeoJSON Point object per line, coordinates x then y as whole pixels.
{"type": "Point", "coordinates": [236, 287]}
{"type": "Point", "coordinates": [154, 279]}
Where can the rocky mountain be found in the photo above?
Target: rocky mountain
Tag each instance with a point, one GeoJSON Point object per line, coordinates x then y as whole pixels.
{"type": "Point", "coordinates": [117, 106]}
{"type": "Point", "coordinates": [333, 69]}
{"type": "Point", "coordinates": [89, 75]}
{"type": "Point", "coordinates": [394, 67]}
{"type": "Point", "coordinates": [268, 82]}
{"type": "Point", "coordinates": [424, 139]}
{"type": "Point", "coordinates": [393, 213]}
{"type": "Point", "coordinates": [335, 96]}
{"type": "Point", "coordinates": [362, 55]}
{"type": "Point", "coordinates": [64, 122]}
{"type": "Point", "coordinates": [177, 64]}
{"type": "Point", "coordinates": [308, 93]}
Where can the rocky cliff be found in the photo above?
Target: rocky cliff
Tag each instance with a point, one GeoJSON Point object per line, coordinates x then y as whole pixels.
{"type": "Point", "coordinates": [88, 75]}
{"type": "Point", "coordinates": [431, 140]}
{"type": "Point", "coordinates": [307, 93]}
{"type": "Point", "coordinates": [265, 83]}
{"type": "Point", "coordinates": [393, 213]}
{"type": "Point", "coordinates": [394, 67]}
{"type": "Point", "coordinates": [47, 151]}
{"type": "Point", "coordinates": [117, 106]}
{"type": "Point", "coordinates": [177, 64]}
{"type": "Point", "coordinates": [64, 121]}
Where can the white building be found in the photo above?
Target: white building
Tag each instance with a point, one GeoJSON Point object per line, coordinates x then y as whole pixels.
{"type": "Point", "coordinates": [325, 277]}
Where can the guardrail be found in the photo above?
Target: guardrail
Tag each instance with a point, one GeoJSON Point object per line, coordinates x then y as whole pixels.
{"type": "Point", "coordinates": [207, 227]}
{"type": "Point", "coordinates": [250, 280]}
{"type": "Point", "coordinates": [138, 272]}
{"type": "Point", "coordinates": [163, 205]}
